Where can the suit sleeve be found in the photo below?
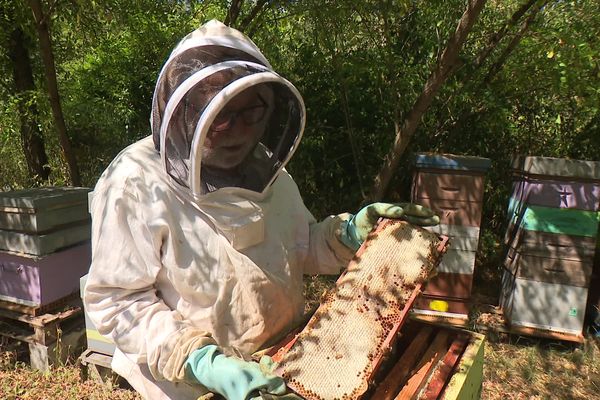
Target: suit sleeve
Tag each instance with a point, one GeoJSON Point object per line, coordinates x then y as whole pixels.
{"type": "Point", "coordinates": [326, 253]}
{"type": "Point", "coordinates": [120, 296]}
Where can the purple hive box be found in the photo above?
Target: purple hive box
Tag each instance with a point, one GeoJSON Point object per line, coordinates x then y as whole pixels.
{"type": "Point", "coordinates": [38, 281]}
{"type": "Point", "coordinates": [558, 194]}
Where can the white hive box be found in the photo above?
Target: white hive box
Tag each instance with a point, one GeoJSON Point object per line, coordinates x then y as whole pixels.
{"type": "Point", "coordinates": [41, 221]}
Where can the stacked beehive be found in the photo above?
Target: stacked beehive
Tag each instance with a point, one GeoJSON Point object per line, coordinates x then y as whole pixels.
{"type": "Point", "coordinates": [453, 187]}
{"type": "Point", "coordinates": [551, 240]}
{"type": "Point", "coordinates": [44, 244]}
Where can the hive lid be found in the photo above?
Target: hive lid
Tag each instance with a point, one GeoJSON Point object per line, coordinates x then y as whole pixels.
{"type": "Point", "coordinates": [42, 198]}
{"type": "Point", "coordinates": [560, 167]}
{"type": "Point", "coordinates": [341, 348]}
{"type": "Point", "coordinates": [452, 161]}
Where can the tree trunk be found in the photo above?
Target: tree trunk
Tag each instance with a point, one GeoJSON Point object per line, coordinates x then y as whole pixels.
{"type": "Point", "coordinates": [248, 19]}
{"type": "Point", "coordinates": [233, 12]}
{"type": "Point", "coordinates": [439, 75]}
{"type": "Point", "coordinates": [41, 24]}
{"type": "Point", "coordinates": [31, 135]}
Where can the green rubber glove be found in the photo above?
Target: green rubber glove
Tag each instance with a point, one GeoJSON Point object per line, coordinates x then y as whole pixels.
{"type": "Point", "coordinates": [358, 227]}
{"type": "Point", "coordinates": [231, 377]}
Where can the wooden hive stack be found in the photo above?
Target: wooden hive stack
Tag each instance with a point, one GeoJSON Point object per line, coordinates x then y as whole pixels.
{"type": "Point", "coordinates": [452, 186]}
{"type": "Point", "coordinates": [44, 244]}
{"type": "Point", "coordinates": [553, 219]}
{"type": "Point", "coordinates": [44, 250]}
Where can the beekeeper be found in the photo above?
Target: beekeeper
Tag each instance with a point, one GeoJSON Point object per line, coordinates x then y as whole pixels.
{"type": "Point", "coordinates": [200, 237]}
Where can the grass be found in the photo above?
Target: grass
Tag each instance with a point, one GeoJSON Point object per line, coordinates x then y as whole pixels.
{"type": "Point", "coordinates": [523, 368]}
{"type": "Point", "coordinates": [514, 368]}
{"type": "Point", "coordinates": [19, 382]}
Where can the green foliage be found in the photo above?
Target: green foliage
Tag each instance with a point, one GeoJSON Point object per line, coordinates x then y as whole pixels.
{"type": "Point", "coordinates": [360, 65]}
{"type": "Point", "coordinates": [108, 87]}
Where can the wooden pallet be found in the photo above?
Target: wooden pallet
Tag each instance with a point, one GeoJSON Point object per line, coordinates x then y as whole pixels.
{"type": "Point", "coordinates": [96, 366]}
{"type": "Point", "coordinates": [35, 311]}
{"type": "Point", "coordinates": [42, 329]}
{"type": "Point", "coordinates": [442, 319]}
{"type": "Point", "coordinates": [51, 337]}
{"type": "Point", "coordinates": [491, 320]}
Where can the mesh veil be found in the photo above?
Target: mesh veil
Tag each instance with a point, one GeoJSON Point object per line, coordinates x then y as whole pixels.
{"type": "Point", "coordinates": [201, 77]}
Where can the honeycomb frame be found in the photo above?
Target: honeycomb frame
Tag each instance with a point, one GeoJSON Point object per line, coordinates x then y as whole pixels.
{"type": "Point", "coordinates": [371, 300]}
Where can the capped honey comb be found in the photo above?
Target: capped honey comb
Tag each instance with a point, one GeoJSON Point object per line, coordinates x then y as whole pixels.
{"type": "Point", "coordinates": [339, 350]}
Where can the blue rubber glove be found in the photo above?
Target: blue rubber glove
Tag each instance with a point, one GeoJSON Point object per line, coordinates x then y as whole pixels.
{"type": "Point", "coordinates": [232, 377]}
{"type": "Point", "coordinates": [358, 227]}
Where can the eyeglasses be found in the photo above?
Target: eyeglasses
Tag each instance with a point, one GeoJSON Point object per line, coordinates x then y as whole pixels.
{"type": "Point", "coordinates": [250, 116]}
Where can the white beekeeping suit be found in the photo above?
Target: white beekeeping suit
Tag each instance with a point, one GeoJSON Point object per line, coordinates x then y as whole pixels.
{"type": "Point", "coordinates": [191, 247]}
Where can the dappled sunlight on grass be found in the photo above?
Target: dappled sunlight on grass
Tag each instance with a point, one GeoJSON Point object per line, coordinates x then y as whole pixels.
{"type": "Point", "coordinates": [19, 382]}
{"type": "Point", "coordinates": [541, 370]}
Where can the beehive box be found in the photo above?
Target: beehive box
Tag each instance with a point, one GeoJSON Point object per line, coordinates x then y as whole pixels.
{"type": "Point", "coordinates": [460, 257]}
{"type": "Point", "coordinates": [546, 308]}
{"type": "Point", "coordinates": [356, 323]}
{"type": "Point", "coordinates": [454, 278]}
{"type": "Point", "coordinates": [558, 259]}
{"type": "Point", "coordinates": [593, 305]}
{"type": "Point", "coordinates": [37, 281]}
{"type": "Point", "coordinates": [40, 221]}
{"type": "Point", "coordinates": [42, 209]}
{"type": "Point", "coordinates": [44, 244]}
{"type": "Point", "coordinates": [553, 223]}
{"type": "Point", "coordinates": [448, 307]}
{"type": "Point", "coordinates": [425, 362]}
{"type": "Point", "coordinates": [565, 221]}
{"type": "Point", "coordinates": [555, 167]}
{"type": "Point", "coordinates": [554, 195]}
{"type": "Point", "coordinates": [545, 285]}
{"type": "Point", "coordinates": [95, 341]}
{"type": "Point", "coordinates": [433, 362]}
{"type": "Point", "coordinates": [453, 187]}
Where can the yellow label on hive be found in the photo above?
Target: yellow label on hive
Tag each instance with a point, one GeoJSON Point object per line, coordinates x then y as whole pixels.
{"type": "Point", "coordinates": [438, 305]}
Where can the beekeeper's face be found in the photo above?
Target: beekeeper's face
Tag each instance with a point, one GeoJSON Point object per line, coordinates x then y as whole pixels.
{"type": "Point", "coordinates": [237, 128]}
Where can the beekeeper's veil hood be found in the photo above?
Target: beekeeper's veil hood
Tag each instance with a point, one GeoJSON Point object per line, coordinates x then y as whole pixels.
{"type": "Point", "coordinates": [208, 68]}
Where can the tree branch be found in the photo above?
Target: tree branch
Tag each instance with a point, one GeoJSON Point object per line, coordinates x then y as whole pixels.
{"type": "Point", "coordinates": [497, 66]}
{"type": "Point", "coordinates": [432, 86]}
{"type": "Point", "coordinates": [233, 12]}
{"type": "Point", "coordinates": [501, 33]}
{"type": "Point", "coordinates": [256, 10]}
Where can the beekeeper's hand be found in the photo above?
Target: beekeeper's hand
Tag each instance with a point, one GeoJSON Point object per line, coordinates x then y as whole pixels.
{"type": "Point", "coordinates": [231, 377]}
{"type": "Point", "coordinates": [358, 227]}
